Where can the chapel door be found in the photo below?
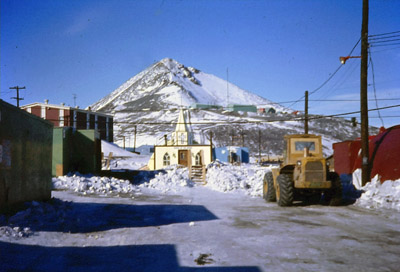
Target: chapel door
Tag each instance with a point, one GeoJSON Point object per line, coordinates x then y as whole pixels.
{"type": "Point", "coordinates": [183, 157]}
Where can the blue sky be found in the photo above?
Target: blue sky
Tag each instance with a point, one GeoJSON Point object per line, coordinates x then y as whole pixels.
{"type": "Point", "coordinates": [276, 49]}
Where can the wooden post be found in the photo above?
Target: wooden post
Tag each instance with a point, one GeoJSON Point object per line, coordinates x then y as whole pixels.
{"type": "Point", "coordinates": [306, 113]}
{"type": "Point", "coordinates": [364, 96]}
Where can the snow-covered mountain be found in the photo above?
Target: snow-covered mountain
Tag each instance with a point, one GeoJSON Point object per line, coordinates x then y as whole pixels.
{"type": "Point", "coordinates": [168, 84]}
{"type": "Point", "coordinates": [150, 101]}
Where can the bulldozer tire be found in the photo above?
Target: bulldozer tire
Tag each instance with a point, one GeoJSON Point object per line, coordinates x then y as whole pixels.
{"type": "Point", "coordinates": [269, 189]}
{"type": "Point", "coordinates": [286, 190]}
{"type": "Point", "coordinates": [334, 195]}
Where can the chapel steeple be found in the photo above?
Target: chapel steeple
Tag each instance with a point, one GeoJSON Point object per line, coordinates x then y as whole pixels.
{"type": "Point", "coordinates": [182, 134]}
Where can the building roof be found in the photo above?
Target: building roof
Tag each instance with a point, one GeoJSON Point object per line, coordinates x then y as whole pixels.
{"type": "Point", "coordinates": [62, 106]}
{"type": "Point", "coordinates": [181, 126]}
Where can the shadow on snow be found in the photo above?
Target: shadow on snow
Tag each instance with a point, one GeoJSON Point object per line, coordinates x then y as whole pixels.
{"type": "Point", "coordinates": [74, 217]}
{"type": "Point", "coordinates": [17, 257]}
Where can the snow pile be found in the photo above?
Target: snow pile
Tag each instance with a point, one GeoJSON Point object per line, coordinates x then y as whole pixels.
{"type": "Point", "coordinates": [236, 178]}
{"type": "Point", "coordinates": [15, 232]}
{"type": "Point", "coordinates": [93, 185]}
{"type": "Point", "coordinates": [35, 216]}
{"type": "Point", "coordinates": [173, 179]}
{"type": "Point", "coordinates": [377, 195]}
{"type": "Point", "coordinates": [107, 148]}
{"type": "Point", "coordinates": [121, 158]}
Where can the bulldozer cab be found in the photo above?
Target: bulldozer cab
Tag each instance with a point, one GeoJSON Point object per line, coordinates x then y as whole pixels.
{"type": "Point", "coordinates": [302, 145]}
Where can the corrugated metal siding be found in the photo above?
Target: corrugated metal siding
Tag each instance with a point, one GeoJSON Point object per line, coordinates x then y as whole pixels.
{"type": "Point", "coordinates": [25, 167]}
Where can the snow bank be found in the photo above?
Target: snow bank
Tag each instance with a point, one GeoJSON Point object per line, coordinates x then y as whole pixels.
{"type": "Point", "coordinates": [123, 159]}
{"type": "Point", "coordinates": [53, 213]}
{"type": "Point", "coordinates": [245, 178]}
{"type": "Point", "coordinates": [378, 195]}
{"type": "Point", "coordinates": [15, 232]}
{"type": "Point", "coordinates": [221, 177]}
{"type": "Point", "coordinates": [107, 147]}
{"type": "Point", "coordinates": [173, 179]}
{"type": "Point", "coordinates": [93, 185]}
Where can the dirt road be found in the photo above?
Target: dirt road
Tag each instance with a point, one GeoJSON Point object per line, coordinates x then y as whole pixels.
{"type": "Point", "coordinates": [203, 230]}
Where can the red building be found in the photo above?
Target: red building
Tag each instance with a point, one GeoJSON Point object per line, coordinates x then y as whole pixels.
{"type": "Point", "coordinates": [64, 116]}
{"type": "Point", "coordinates": [384, 154]}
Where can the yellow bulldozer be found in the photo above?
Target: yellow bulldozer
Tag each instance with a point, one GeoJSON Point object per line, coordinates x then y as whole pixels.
{"type": "Point", "coordinates": [304, 175]}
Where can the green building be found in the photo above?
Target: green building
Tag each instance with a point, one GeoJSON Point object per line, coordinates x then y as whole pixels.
{"type": "Point", "coordinates": [25, 156]}
{"type": "Point", "coordinates": [245, 108]}
{"type": "Point", "coordinates": [76, 151]}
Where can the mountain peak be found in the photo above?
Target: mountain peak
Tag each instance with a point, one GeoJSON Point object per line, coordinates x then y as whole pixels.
{"type": "Point", "coordinates": [169, 62]}
{"type": "Point", "coordinates": [155, 94]}
{"type": "Point", "coordinates": [168, 84]}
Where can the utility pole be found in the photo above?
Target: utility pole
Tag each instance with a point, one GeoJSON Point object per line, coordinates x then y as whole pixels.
{"type": "Point", "coordinates": [306, 113]}
{"type": "Point", "coordinates": [364, 95]}
{"type": "Point", "coordinates": [134, 142]}
{"type": "Point", "coordinates": [242, 137]}
{"type": "Point", "coordinates": [17, 98]}
{"type": "Point", "coordinates": [259, 146]}
{"type": "Point", "coordinates": [74, 95]}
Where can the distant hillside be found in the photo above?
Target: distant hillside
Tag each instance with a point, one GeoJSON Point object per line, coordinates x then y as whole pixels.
{"type": "Point", "coordinates": [150, 101]}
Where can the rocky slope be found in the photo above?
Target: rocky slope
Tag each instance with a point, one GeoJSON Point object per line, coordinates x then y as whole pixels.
{"type": "Point", "coordinates": [150, 100]}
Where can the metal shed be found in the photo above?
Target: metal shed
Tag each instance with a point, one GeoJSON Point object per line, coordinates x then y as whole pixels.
{"type": "Point", "coordinates": [25, 156]}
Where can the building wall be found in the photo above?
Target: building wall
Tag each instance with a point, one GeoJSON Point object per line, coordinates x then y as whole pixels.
{"type": "Point", "coordinates": [25, 156]}
{"type": "Point", "coordinates": [172, 151]}
{"type": "Point", "coordinates": [62, 116]}
{"type": "Point", "coordinates": [345, 155]}
{"type": "Point", "coordinates": [86, 157]}
{"type": "Point", "coordinates": [53, 115]}
{"type": "Point", "coordinates": [232, 154]}
{"type": "Point", "coordinates": [76, 151]}
{"type": "Point", "coordinates": [245, 108]}
{"type": "Point", "coordinates": [36, 111]}
{"type": "Point", "coordinates": [62, 151]}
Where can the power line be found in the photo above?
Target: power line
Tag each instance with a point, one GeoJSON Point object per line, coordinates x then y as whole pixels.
{"type": "Point", "coordinates": [386, 49]}
{"type": "Point", "coordinates": [373, 84]}
{"type": "Point", "coordinates": [382, 34]}
{"type": "Point", "coordinates": [391, 40]}
{"type": "Point", "coordinates": [326, 81]}
{"type": "Point", "coordinates": [289, 119]}
{"type": "Point", "coordinates": [378, 45]}
{"type": "Point", "coordinates": [381, 38]}
{"type": "Point", "coordinates": [386, 116]}
{"type": "Point", "coordinates": [378, 39]}
{"type": "Point", "coordinates": [342, 100]}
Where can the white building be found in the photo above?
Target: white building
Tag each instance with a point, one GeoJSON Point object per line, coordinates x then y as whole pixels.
{"type": "Point", "coordinates": [180, 149]}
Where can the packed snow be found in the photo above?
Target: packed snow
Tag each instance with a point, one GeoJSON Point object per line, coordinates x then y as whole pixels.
{"type": "Point", "coordinates": [222, 177]}
{"type": "Point", "coordinates": [244, 179]}
{"type": "Point", "coordinates": [121, 158]}
{"type": "Point", "coordinates": [378, 195]}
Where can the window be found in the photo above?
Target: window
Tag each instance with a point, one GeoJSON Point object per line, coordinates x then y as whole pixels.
{"type": "Point", "coordinates": [61, 117]}
{"type": "Point", "coordinates": [198, 159]}
{"type": "Point", "coordinates": [166, 160]}
{"type": "Point", "coordinates": [301, 145]}
{"type": "Point", "coordinates": [183, 138]}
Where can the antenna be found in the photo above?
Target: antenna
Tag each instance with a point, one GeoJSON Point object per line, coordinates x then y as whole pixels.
{"type": "Point", "coordinates": [227, 87]}
{"type": "Point", "coordinates": [74, 95]}
{"type": "Point", "coordinates": [181, 99]}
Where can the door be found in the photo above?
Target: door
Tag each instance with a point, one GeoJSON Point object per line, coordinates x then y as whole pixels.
{"type": "Point", "coordinates": [183, 157]}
